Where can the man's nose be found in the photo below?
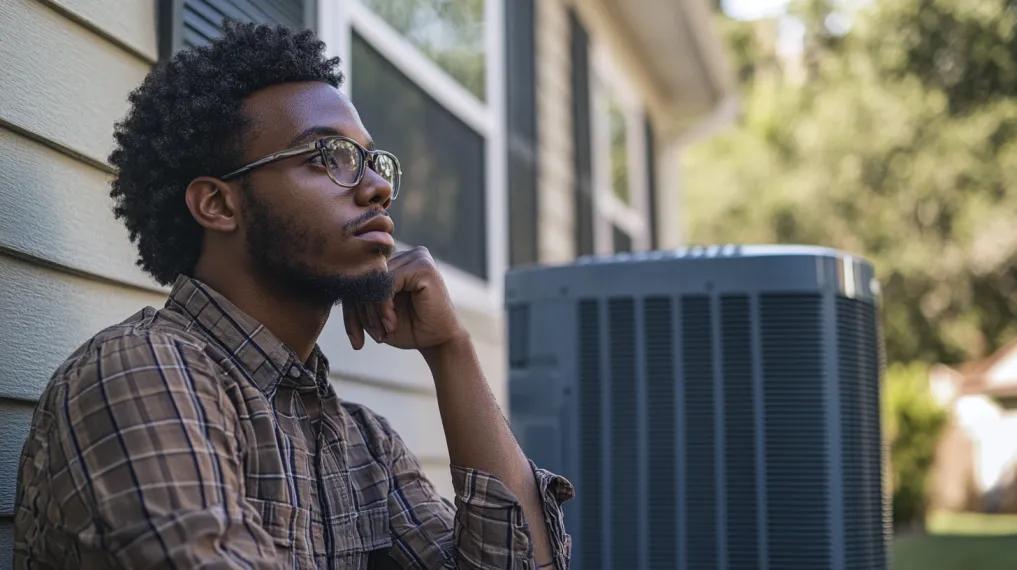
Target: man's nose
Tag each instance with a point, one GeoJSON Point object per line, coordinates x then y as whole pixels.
{"type": "Point", "coordinates": [374, 190]}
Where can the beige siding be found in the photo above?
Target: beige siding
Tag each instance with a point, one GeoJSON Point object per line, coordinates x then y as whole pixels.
{"type": "Point", "coordinates": [556, 205]}
{"type": "Point", "coordinates": [62, 82]}
{"type": "Point", "coordinates": [47, 315]}
{"type": "Point", "coordinates": [57, 209]}
{"type": "Point", "coordinates": [128, 23]}
{"type": "Point", "coordinates": [66, 269]}
{"type": "Point", "coordinates": [556, 213]}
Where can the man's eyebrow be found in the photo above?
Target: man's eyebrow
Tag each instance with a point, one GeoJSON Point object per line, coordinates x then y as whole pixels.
{"type": "Point", "coordinates": [319, 131]}
{"type": "Point", "coordinates": [312, 133]}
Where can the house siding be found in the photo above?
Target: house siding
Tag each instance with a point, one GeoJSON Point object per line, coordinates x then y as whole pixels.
{"type": "Point", "coordinates": [555, 187]}
{"type": "Point", "coordinates": [556, 230]}
{"type": "Point", "coordinates": [66, 268]}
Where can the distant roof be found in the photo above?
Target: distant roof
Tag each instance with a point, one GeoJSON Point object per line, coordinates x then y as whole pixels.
{"type": "Point", "coordinates": [995, 375]}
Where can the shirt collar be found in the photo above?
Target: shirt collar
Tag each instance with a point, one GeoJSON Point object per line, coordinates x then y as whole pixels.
{"type": "Point", "coordinates": [249, 344]}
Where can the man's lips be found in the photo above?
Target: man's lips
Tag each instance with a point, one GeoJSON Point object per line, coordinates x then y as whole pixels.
{"type": "Point", "coordinates": [378, 229]}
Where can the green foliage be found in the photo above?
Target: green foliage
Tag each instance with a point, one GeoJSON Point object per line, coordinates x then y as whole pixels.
{"type": "Point", "coordinates": [866, 146]}
{"type": "Point", "coordinates": [912, 423]}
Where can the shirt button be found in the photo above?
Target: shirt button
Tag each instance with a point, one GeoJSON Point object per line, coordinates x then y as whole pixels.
{"type": "Point", "coordinates": [295, 371]}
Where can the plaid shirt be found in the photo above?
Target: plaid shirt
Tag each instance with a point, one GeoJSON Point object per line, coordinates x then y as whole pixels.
{"type": "Point", "coordinates": [190, 436]}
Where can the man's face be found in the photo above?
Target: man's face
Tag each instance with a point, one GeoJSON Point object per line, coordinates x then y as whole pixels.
{"type": "Point", "coordinates": [301, 229]}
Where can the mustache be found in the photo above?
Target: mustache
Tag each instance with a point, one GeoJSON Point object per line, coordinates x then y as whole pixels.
{"type": "Point", "coordinates": [352, 225]}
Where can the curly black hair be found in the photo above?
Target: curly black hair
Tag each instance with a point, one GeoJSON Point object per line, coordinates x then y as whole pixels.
{"type": "Point", "coordinates": [185, 121]}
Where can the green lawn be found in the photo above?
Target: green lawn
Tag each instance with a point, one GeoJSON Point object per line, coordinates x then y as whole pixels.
{"type": "Point", "coordinates": [960, 541]}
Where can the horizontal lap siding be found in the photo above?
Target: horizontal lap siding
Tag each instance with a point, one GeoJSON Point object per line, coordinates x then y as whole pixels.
{"type": "Point", "coordinates": [47, 315]}
{"type": "Point", "coordinates": [62, 82]}
{"type": "Point", "coordinates": [65, 70]}
{"type": "Point", "coordinates": [554, 123]}
{"type": "Point", "coordinates": [57, 209]}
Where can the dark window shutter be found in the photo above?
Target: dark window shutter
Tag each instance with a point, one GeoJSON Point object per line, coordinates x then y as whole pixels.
{"type": "Point", "coordinates": [581, 131]}
{"type": "Point", "coordinates": [521, 102]}
{"type": "Point", "coordinates": [651, 183]}
{"type": "Point", "coordinates": [188, 23]}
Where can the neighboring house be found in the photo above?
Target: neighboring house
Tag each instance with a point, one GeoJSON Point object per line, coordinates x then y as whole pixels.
{"type": "Point", "coordinates": [530, 131]}
{"type": "Point", "coordinates": [976, 459]}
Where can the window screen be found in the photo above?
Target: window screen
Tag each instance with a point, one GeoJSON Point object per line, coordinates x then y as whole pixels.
{"type": "Point", "coordinates": [441, 203]}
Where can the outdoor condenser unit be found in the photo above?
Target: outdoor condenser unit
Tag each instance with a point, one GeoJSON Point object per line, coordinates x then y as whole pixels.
{"type": "Point", "coordinates": [716, 408]}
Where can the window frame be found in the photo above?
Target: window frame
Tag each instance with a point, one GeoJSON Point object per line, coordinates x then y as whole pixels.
{"type": "Point", "coordinates": [608, 81]}
{"type": "Point", "coordinates": [336, 23]}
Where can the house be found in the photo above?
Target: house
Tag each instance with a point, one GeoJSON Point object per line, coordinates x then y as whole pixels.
{"type": "Point", "coordinates": [976, 458]}
{"type": "Point", "coordinates": [532, 131]}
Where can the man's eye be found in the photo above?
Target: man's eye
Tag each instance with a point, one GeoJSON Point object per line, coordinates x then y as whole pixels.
{"type": "Point", "coordinates": [316, 160]}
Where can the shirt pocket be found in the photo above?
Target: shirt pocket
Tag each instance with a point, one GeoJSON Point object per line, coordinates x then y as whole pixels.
{"type": "Point", "coordinates": [285, 523]}
{"type": "Point", "coordinates": [363, 532]}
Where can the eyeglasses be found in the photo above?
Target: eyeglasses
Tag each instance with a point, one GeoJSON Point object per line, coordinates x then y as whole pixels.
{"type": "Point", "coordinates": [344, 160]}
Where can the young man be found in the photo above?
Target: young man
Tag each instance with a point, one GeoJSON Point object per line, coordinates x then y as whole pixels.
{"type": "Point", "coordinates": [207, 432]}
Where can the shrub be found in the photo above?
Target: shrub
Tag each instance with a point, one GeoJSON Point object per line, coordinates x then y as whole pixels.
{"type": "Point", "coordinates": [912, 423]}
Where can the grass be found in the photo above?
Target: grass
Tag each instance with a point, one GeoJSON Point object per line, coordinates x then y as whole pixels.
{"type": "Point", "coordinates": [969, 524]}
{"type": "Point", "coordinates": [959, 541]}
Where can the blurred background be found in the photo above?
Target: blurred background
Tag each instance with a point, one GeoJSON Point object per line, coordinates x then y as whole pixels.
{"type": "Point", "coordinates": [538, 131]}
{"type": "Point", "coordinates": [887, 128]}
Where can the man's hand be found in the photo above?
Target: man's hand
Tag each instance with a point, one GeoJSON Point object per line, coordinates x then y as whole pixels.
{"type": "Point", "coordinates": [419, 314]}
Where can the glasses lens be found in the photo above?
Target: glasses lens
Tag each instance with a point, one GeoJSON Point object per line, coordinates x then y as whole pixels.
{"type": "Point", "coordinates": [343, 160]}
{"type": "Point", "coordinates": [386, 166]}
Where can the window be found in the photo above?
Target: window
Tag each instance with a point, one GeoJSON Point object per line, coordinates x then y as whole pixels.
{"type": "Point", "coordinates": [450, 32]}
{"type": "Point", "coordinates": [428, 79]}
{"type": "Point", "coordinates": [441, 157]}
{"type": "Point", "coordinates": [621, 211]}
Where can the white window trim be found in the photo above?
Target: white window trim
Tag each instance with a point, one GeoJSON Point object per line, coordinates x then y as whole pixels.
{"type": "Point", "coordinates": [338, 20]}
{"type": "Point", "coordinates": [609, 80]}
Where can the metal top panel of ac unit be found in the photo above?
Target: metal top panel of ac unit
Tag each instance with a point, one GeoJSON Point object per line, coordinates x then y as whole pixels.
{"type": "Point", "coordinates": [703, 269]}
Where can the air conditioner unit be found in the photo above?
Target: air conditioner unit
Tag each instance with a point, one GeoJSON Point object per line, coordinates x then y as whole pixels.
{"type": "Point", "coordinates": [716, 408]}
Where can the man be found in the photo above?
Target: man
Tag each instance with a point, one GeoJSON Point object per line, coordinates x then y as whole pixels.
{"type": "Point", "coordinates": [207, 433]}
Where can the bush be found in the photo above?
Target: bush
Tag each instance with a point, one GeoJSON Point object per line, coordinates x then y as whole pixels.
{"type": "Point", "coordinates": [912, 423]}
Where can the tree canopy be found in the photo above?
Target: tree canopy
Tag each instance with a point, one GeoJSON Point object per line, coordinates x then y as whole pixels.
{"type": "Point", "coordinates": [894, 139]}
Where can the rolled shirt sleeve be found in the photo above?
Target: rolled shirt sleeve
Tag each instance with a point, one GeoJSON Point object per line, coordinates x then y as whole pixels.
{"type": "Point", "coordinates": [484, 528]}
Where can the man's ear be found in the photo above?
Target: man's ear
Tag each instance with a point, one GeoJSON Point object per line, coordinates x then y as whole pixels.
{"type": "Point", "coordinates": [213, 203]}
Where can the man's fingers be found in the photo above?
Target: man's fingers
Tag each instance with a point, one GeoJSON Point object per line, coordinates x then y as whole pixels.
{"type": "Point", "coordinates": [369, 316]}
{"type": "Point", "coordinates": [388, 315]}
{"type": "Point", "coordinates": [354, 326]}
{"type": "Point", "coordinates": [408, 256]}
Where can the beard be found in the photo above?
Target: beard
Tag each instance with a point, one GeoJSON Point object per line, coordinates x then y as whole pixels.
{"type": "Point", "coordinates": [276, 246]}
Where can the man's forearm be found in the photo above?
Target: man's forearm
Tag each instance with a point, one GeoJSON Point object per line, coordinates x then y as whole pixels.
{"type": "Point", "coordinates": [478, 435]}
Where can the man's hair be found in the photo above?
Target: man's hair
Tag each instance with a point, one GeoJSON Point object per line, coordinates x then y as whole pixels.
{"type": "Point", "coordinates": [185, 121]}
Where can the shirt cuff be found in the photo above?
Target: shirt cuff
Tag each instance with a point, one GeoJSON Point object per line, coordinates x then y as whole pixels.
{"type": "Point", "coordinates": [490, 527]}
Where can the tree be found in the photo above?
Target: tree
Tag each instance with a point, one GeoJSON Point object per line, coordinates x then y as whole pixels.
{"type": "Point", "coordinates": [877, 150]}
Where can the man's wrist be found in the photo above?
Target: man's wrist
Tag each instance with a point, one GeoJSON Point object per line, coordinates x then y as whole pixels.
{"type": "Point", "coordinates": [459, 345]}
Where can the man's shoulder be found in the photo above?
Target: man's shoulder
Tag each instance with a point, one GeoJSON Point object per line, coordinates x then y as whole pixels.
{"type": "Point", "coordinates": [137, 344]}
{"type": "Point", "coordinates": [365, 417]}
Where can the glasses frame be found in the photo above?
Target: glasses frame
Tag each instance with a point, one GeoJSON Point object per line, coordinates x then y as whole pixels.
{"type": "Point", "coordinates": [367, 159]}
